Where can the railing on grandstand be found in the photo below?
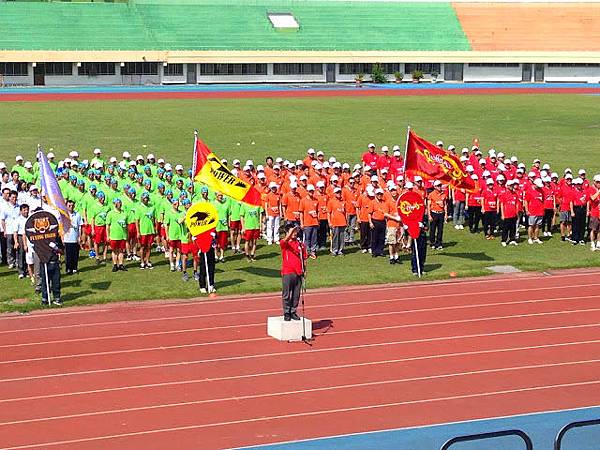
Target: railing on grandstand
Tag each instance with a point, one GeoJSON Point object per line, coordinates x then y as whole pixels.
{"type": "Point", "coordinates": [566, 428]}
{"type": "Point", "coordinates": [492, 435]}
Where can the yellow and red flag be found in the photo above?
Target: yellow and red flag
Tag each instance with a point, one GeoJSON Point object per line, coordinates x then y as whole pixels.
{"type": "Point", "coordinates": [430, 161]}
{"type": "Point", "coordinates": [208, 169]}
{"type": "Point", "coordinates": [411, 209]}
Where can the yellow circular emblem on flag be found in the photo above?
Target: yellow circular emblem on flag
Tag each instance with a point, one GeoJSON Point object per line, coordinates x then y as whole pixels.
{"type": "Point", "coordinates": [201, 217]}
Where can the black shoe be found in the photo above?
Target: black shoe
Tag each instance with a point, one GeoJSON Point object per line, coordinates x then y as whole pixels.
{"type": "Point", "coordinates": [562, 238]}
{"type": "Point", "coordinates": [115, 268]}
{"type": "Point", "coordinates": [57, 302]}
{"type": "Point", "coordinates": [295, 316]}
{"type": "Point", "coordinates": [392, 261]}
{"type": "Point", "coordinates": [123, 268]}
{"type": "Point", "coordinates": [287, 317]}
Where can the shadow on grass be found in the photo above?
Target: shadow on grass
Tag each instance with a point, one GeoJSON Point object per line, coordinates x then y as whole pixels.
{"type": "Point", "coordinates": [261, 271]}
{"type": "Point", "coordinates": [432, 267]}
{"type": "Point", "coordinates": [101, 286]}
{"type": "Point", "coordinates": [75, 295]}
{"type": "Point", "coordinates": [227, 283]}
{"type": "Point", "coordinates": [475, 256]}
{"type": "Point", "coordinates": [70, 283]}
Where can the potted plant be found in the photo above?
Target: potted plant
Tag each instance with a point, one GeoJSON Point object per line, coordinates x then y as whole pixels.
{"type": "Point", "coordinates": [399, 76]}
{"type": "Point", "coordinates": [378, 74]}
{"type": "Point", "coordinates": [358, 79]}
{"type": "Point", "coordinates": [417, 76]}
{"type": "Point", "coordinates": [434, 76]}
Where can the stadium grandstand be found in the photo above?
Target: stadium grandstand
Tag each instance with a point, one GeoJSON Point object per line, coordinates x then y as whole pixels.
{"type": "Point", "coordinates": [242, 41]}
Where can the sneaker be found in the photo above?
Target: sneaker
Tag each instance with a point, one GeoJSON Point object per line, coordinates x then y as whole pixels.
{"type": "Point", "coordinates": [581, 242]}
{"type": "Point", "coordinates": [562, 238]}
{"type": "Point", "coordinates": [196, 276]}
{"type": "Point", "coordinates": [364, 250]}
{"type": "Point", "coordinates": [57, 302]}
{"type": "Point", "coordinates": [115, 268]}
{"type": "Point", "coordinates": [173, 268]}
{"type": "Point", "coordinates": [392, 261]}
{"type": "Point", "coordinates": [504, 244]}
{"type": "Point", "coordinates": [21, 276]}
{"type": "Point", "coordinates": [74, 271]}
{"type": "Point", "coordinates": [295, 316]}
{"type": "Point", "coordinates": [439, 247]}
{"type": "Point", "coordinates": [135, 258]}
{"type": "Point", "coordinates": [312, 256]}
{"type": "Point", "coordinates": [142, 266]}
{"type": "Point", "coordinates": [537, 241]}
{"type": "Point", "coordinates": [287, 317]}
{"type": "Point", "coordinates": [203, 290]}
{"type": "Point", "coordinates": [185, 277]}
{"type": "Point", "coordinates": [212, 289]}
{"type": "Point", "coordinates": [462, 227]}
{"type": "Point", "coordinates": [222, 259]}
{"type": "Point", "coordinates": [149, 265]}
{"type": "Point", "coordinates": [128, 258]}
{"type": "Point", "coordinates": [530, 241]}
{"type": "Point", "coordinates": [593, 247]}
{"type": "Point", "coordinates": [513, 243]}
{"type": "Point", "coordinates": [123, 268]}
{"type": "Point", "coordinates": [432, 247]}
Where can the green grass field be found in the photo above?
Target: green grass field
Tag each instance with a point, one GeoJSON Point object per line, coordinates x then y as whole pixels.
{"type": "Point", "coordinates": [561, 129]}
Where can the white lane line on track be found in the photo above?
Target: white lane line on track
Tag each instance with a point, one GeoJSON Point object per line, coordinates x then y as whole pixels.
{"type": "Point", "coordinates": [305, 391]}
{"type": "Point", "coordinates": [267, 338]}
{"type": "Point", "coordinates": [261, 324]}
{"type": "Point", "coordinates": [309, 413]}
{"type": "Point", "coordinates": [349, 347]}
{"type": "Point", "coordinates": [438, 296]}
{"type": "Point", "coordinates": [318, 292]}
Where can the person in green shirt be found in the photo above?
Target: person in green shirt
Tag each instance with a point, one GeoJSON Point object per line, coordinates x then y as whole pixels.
{"type": "Point", "coordinates": [222, 206]}
{"type": "Point", "coordinates": [187, 245]}
{"type": "Point", "coordinates": [116, 229]}
{"type": "Point", "coordinates": [131, 205]}
{"type": "Point", "coordinates": [235, 225]}
{"type": "Point", "coordinates": [251, 219]}
{"type": "Point", "coordinates": [171, 222]}
{"type": "Point", "coordinates": [146, 227]}
{"type": "Point", "coordinates": [97, 213]}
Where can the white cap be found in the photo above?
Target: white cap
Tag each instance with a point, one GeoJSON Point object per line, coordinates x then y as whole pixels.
{"type": "Point", "coordinates": [112, 160]}
{"type": "Point", "coordinates": [126, 154]}
{"type": "Point", "coordinates": [261, 176]}
{"type": "Point", "coordinates": [150, 156]}
{"type": "Point", "coordinates": [138, 157]}
{"type": "Point", "coordinates": [501, 167]}
{"type": "Point", "coordinates": [538, 182]}
{"type": "Point", "coordinates": [521, 166]}
{"type": "Point", "coordinates": [474, 148]}
{"type": "Point", "coordinates": [311, 151]}
{"type": "Point", "coordinates": [320, 184]}
{"type": "Point", "coordinates": [568, 169]}
{"type": "Point", "coordinates": [357, 166]}
{"type": "Point", "coordinates": [385, 149]}
{"type": "Point", "coordinates": [293, 178]}
{"type": "Point", "coordinates": [511, 182]}
{"type": "Point", "coordinates": [577, 181]}
{"type": "Point", "coordinates": [178, 167]}
{"type": "Point", "coordinates": [520, 170]}
{"type": "Point", "coordinates": [568, 176]}
{"type": "Point", "coordinates": [437, 183]}
{"type": "Point", "coordinates": [326, 165]}
{"type": "Point", "coordinates": [67, 161]}
{"type": "Point", "coordinates": [250, 163]}
{"type": "Point", "coordinates": [336, 165]}
{"type": "Point", "coordinates": [246, 168]}
{"type": "Point", "coordinates": [317, 166]}
{"type": "Point", "coordinates": [374, 178]}
{"type": "Point", "coordinates": [299, 162]}
{"type": "Point", "coordinates": [451, 147]}
{"type": "Point", "coordinates": [543, 173]}
{"type": "Point", "coordinates": [465, 150]}
{"type": "Point", "coordinates": [396, 147]}
{"type": "Point", "coordinates": [275, 167]}
{"type": "Point", "coordinates": [597, 178]}
{"type": "Point", "coordinates": [310, 187]}
{"type": "Point", "coordinates": [500, 177]}
{"type": "Point", "coordinates": [553, 175]}
{"type": "Point", "coordinates": [546, 167]}
{"type": "Point", "coordinates": [418, 178]}
{"type": "Point", "coordinates": [97, 151]}
{"type": "Point", "coordinates": [581, 171]}
{"type": "Point", "coordinates": [492, 152]}
{"type": "Point", "coordinates": [278, 160]}
{"type": "Point", "coordinates": [33, 187]}
{"type": "Point", "coordinates": [73, 154]}
{"type": "Point", "coordinates": [122, 165]}
{"type": "Point", "coordinates": [294, 185]}
{"type": "Point", "coordinates": [379, 191]}
{"type": "Point", "coordinates": [162, 161]}
{"type": "Point", "coordinates": [514, 159]}
{"type": "Point", "coordinates": [397, 153]}
{"type": "Point", "coordinates": [260, 168]}
{"type": "Point", "coordinates": [334, 178]}
{"type": "Point", "coordinates": [168, 167]}
{"type": "Point", "coordinates": [474, 177]}
{"type": "Point", "coordinates": [482, 161]}
{"type": "Point", "coordinates": [337, 189]}
{"type": "Point", "coordinates": [50, 155]}
{"type": "Point", "coordinates": [320, 153]}
{"type": "Point", "coordinates": [400, 178]}
{"type": "Point", "coordinates": [371, 145]}
{"type": "Point", "coordinates": [489, 181]}
{"type": "Point", "coordinates": [303, 177]}
{"type": "Point", "coordinates": [28, 165]}
{"type": "Point", "coordinates": [332, 160]}
{"type": "Point", "coordinates": [408, 185]}
{"type": "Point", "coordinates": [535, 161]}
{"type": "Point", "coordinates": [272, 185]}
{"type": "Point", "coordinates": [392, 187]}
{"type": "Point", "coordinates": [345, 166]}
{"type": "Point", "coordinates": [438, 143]}
{"type": "Point", "coordinates": [2, 165]}
{"type": "Point", "coordinates": [236, 162]}
{"type": "Point", "coordinates": [486, 173]}
{"type": "Point", "coordinates": [469, 168]}
{"type": "Point", "coordinates": [546, 179]}
{"type": "Point", "coordinates": [223, 161]}
{"type": "Point", "coordinates": [500, 155]}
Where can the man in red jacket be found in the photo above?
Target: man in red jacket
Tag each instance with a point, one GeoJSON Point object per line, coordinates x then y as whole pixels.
{"type": "Point", "coordinates": [293, 255]}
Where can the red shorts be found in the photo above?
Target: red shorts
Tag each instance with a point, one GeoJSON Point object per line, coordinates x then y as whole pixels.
{"type": "Point", "coordinates": [146, 240]}
{"type": "Point", "coordinates": [131, 231]}
{"type": "Point", "coordinates": [222, 237]}
{"type": "Point", "coordinates": [161, 230]}
{"type": "Point", "coordinates": [235, 225]}
{"type": "Point", "coordinates": [100, 234]}
{"type": "Point", "coordinates": [251, 234]}
{"type": "Point", "coordinates": [117, 245]}
{"type": "Point", "coordinates": [189, 248]}
{"type": "Point", "coordinates": [176, 245]}
{"type": "Point", "coordinates": [86, 229]}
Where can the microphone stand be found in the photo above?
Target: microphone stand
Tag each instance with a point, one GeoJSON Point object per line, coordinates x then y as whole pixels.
{"type": "Point", "coordinates": [302, 292]}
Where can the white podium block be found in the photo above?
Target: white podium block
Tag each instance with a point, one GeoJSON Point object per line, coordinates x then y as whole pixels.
{"type": "Point", "coordinates": [288, 331]}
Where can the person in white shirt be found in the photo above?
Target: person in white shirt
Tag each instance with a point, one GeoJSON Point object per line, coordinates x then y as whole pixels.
{"type": "Point", "coordinates": [71, 239]}
{"type": "Point", "coordinates": [9, 215]}
{"type": "Point", "coordinates": [3, 205]}
{"type": "Point", "coordinates": [20, 240]}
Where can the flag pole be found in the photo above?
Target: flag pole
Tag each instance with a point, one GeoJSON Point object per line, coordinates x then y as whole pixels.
{"type": "Point", "coordinates": [417, 255]}
{"type": "Point", "coordinates": [406, 152]}
{"type": "Point", "coordinates": [207, 275]}
{"type": "Point", "coordinates": [47, 284]}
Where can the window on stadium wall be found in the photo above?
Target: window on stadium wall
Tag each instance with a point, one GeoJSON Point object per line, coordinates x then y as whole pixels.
{"type": "Point", "coordinates": [297, 69]}
{"type": "Point", "coordinates": [140, 68]}
{"type": "Point", "coordinates": [233, 69]}
{"type": "Point", "coordinates": [59, 69]}
{"type": "Point", "coordinates": [494, 65]}
{"type": "Point", "coordinates": [423, 67]}
{"type": "Point", "coordinates": [173, 70]}
{"type": "Point", "coordinates": [13, 69]}
{"type": "Point", "coordinates": [96, 69]}
{"type": "Point", "coordinates": [353, 69]}
{"type": "Point", "coordinates": [574, 66]}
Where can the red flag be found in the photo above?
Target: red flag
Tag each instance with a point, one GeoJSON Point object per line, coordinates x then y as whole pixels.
{"type": "Point", "coordinates": [208, 169]}
{"type": "Point", "coordinates": [429, 161]}
{"type": "Point", "coordinates": [411, 209]}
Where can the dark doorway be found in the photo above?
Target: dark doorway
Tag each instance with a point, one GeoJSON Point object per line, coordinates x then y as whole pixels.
{"type": "Point", "coordinates": [39, 74]}
{"type": "Point", "coordinates": [526, 73]}
{"type": "Point", "coordinates": [191, 74]}
{"type": "Point", "coordinates": [538, 73]}
{"type": "Point", "coordinates": [453, 72]}
{"type": "Point", "coordinates": [330, 73]}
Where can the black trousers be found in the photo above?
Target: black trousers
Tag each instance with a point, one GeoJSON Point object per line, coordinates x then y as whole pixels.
{"type": "Point", "coordinates": [509, 229]}
{"type": "Point", "coordinates": [322, 233]}
{"type": "Point", "coordinates": [579, 223]}
{"type": "Point", "coordinates": [365, 236]}
{"type": "Point", "coordinates": [378, 237]}
{"type": "Point", "coordinates": [291, 286]}
{"type": "Point", "coordinates": [53, 269]}
{"type": "Point", "coordinates": [208, 257]}
{"type": "Point", "coordinates": [3, 252]}
{"type": "Point", "coordinates": [421, 243]}
{"type": "Point", "coordinates": [436, 229]}
{"type": "Point", "coordinates": [489, 222]}
{"type": "Point", "coordinates": [474, 218]}
{"type": "Point", "coordinates": [71, 256]}
{"type": "Point", "coordinates": [547, 221]}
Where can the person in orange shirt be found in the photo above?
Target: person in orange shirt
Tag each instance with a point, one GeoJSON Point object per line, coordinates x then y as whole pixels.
{"type": "Point", "coordinates": [364, 212]}
{"type": "Point", "coordinates": [268, 167]}
{"type": "Point", "coordinates": [310, 157]}
{"type": "Point", "coordinates": [290, 204]}
{"type": "Point", "coordinates": [309, 220]}
{"type": "Point", "coordinates": [380, 210]}
{"type": "Point", "coordinates": [273, 212]}
{"type": "Point", "coordinates": [392, 230]}
{"type": "Point", "coordinates": [336, 216]}
{"type": "Point", "coordinates": [302, 184]}
{"type": "Point", "coordinates": [437, 214]}
{"type": "Point", "coordinates": [351, 195]}
{"type": "Point", "coordinates": [323, 232]}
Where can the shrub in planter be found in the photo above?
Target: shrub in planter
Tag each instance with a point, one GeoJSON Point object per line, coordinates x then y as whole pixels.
{"type": "Point", "coordinates": [399, 76]}
{"type": "Point", "coordinates": [377, 74]}
{"type": "Point", "coordinates": [417, 76]}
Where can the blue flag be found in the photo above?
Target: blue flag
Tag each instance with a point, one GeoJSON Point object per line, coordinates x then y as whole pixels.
{"type": "Point", "coordinates": [51, 190]}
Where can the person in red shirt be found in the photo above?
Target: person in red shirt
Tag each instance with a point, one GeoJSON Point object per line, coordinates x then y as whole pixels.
{"type": "Point", "coordinates": [370, 158]}
{"type": "Point", "coordinates": [309, 220]}
{"type": "Point", "coordinates": [396, 164]}
{"type": "Point", "coordinates": [564, 207]}
{"type": "Point", "coordinates": [385, 160]}
{"type": "Point", "coordinates": [473, 201]}
{"type": "Point", "coordinates": [293, 262]}
{"type": "Point", "coordinates": [549, 202]}
{"type": "Point", "coordinates": [337, 218]}
{"type": "Point", "coordinates": [593, 208]}
{"type": "Point", "coordinates": [458, 211]}
{"type": "Point", "coordinates": [273, 211]}
{"type": "Point", "coordinates": [509, 209]}
{"type": "Point", "coordinates": [534, 208]}
{"type": "Point", "coordinates": [489, 206]}
{"type": "Point", "coordinates": [578, 211]}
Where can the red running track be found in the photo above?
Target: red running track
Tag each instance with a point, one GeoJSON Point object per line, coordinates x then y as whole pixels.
{"type": "Point", "coordinates": [205, 375]}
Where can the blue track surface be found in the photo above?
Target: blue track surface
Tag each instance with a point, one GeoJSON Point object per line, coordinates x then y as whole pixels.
{"type": "Point", "coordinates": [282, 87]}
{"type": "Point", "coordinates": [542, 429]}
